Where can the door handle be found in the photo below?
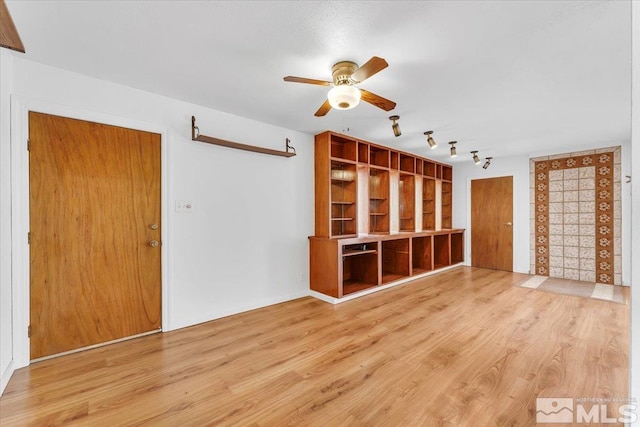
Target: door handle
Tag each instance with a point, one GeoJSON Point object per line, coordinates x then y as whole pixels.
{"type": "Point", "coordinates": [508, 223]}
{"type": "Point", "coordinates": [154, 243]}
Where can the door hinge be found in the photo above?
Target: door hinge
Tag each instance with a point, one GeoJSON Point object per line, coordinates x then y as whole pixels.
{"type": "Point", "coordinates": [28, 238]}
{"type": "Point", "coordinates": [28, 145]}
{"type": "Point", "coordinates": [29, 331]}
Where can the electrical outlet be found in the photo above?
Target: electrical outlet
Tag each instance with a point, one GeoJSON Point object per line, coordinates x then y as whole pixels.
{"type": "Point", "coordinates": [183, 206]}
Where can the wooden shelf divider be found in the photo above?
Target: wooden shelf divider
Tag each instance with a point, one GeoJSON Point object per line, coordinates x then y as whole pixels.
{"type": "Point", "coordinates": [195, 136]}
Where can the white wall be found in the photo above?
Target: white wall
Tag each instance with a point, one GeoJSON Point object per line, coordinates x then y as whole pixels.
{"type": "Point", "coordinates": [244, 245]}
{"type": "Point", "coordinates": [518, 167]}
{"type": "Point", "coordinates": [6, 345]}
{"type": "Point", "coordinates": [635, 230]}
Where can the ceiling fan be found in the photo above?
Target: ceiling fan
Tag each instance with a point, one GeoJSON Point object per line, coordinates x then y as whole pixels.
{"type": "Point", "coordinates": [344, 95]}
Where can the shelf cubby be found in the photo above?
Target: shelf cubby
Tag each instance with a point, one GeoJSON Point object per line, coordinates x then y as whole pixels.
{"type": "Point", "coordinates": [343, 148]}
{"type": "Point", "coordinates": [441, 253]}
{"type": "Point", "coordinates": [343, 199]}
{"type": "Point", "coordinates": [395, 260]}
{"type": "Point", "coordinates": [378, 200]}
{"type": "Point", "coordinates": [359, 267]}
{"type": "Point", "coordinates": [457, 248]}
{"type": "Point", "coordinates": [407, 200]}
{"type": "Point", "coordinates": [363, 153]}
{"type": "Point", "coordinates": [422, 260]}
{"type": "Point", "coordinates": [394, 160]}
{"type": "Point", "coordinates": [429, 169]}
{"type": "Point", "coordinates": [447, 173]}
{"type": "Point", "coordinates": [446, 202]}
{"type": "Point", "coordinates": [428, 204]}
{"type": "Point", "coordinates": [378, 157]}
{"type": "Point", "coordinates": [407, 163]}
{"type": "Point", "coordinates": [419, 166]}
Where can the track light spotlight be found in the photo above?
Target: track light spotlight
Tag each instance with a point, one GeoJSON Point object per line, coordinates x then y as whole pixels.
{"type": "Point", "coordinates": [476, 159]}
{"type": "Point", "coordinates": [453, 148]}
{"type": "Point", "coordinates": [395, 126]}
{"type": "Point", "coordinates": [487, 163]}
{"type": "Point", "coordinates": [430, 141]}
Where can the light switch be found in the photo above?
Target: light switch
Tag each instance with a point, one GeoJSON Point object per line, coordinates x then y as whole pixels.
{"type": "Point", "coordinates": [183, 206]}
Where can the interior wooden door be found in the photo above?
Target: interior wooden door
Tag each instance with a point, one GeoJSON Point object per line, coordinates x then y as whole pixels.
{"type": "Point", "coordinates": [492, 223]}
{"type": "Point", "coordinates": [94, 233]}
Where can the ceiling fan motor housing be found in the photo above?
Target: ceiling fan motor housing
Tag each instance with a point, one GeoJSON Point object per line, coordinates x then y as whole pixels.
{"type": "Point", "coordinates": [342, 71]}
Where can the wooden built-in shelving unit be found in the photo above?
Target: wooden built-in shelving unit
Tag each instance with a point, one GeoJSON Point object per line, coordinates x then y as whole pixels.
{"type": "Point", "coordinates": [382, 216]}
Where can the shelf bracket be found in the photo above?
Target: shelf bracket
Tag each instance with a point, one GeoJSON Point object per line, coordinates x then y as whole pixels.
{"type": "Point", "coordinates": [290, 151]}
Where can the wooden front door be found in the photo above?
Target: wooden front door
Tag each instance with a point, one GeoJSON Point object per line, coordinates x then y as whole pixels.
{"type": "Point", "coordinates": [94, 221]}
{"type": "Point", "coordinates": [492, 223]}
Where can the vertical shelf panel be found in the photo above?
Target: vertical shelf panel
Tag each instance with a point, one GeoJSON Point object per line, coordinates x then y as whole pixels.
{"type": "Point", "coordinates": [325, 271]}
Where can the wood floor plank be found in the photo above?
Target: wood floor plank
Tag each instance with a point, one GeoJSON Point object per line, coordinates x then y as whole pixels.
{"type": "Point", "coordinates": [463, 347]}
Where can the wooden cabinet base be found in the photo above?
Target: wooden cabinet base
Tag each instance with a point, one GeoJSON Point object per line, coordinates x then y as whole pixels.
{"type": "Point", "coordinates": [343, 269]}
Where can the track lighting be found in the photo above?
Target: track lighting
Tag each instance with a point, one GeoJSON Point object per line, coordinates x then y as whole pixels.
{"type": "Point", "coordinates": [430, 141]}
{"type": "Point", "coordinates": [487, 163]}
{"type": "Point", "coordinates": [395, 126]}
{"type": "Point", "coordinates": [476, 159]}
{"type": "Point", "coordinates": [453, 148]}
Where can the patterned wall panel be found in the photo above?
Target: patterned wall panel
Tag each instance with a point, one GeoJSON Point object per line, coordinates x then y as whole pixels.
{"type": "Point", "coordinates": [575, 216]}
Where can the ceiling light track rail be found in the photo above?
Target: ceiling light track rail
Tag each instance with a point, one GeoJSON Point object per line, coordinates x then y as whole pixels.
{"type": "Point", "coordinates": [195, 136]}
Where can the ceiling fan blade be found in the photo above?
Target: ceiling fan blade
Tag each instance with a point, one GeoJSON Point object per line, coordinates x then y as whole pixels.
{"type": "Point", "coordinates": [373, 66]}
{"type": "Point", "coordinates": [308, 81]}
{"type": "Point", "coordinates": [324, 109]}
{"type": "Point", "coordinates": [377, 100]}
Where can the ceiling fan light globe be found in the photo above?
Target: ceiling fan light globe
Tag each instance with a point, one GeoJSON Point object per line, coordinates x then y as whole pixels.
{"type": "Point", "coordinates": [344, 97]}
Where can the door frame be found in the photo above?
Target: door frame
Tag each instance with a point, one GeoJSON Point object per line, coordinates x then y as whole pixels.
{"type": "Point", "coordinates": [20, 264]}
{"type": "Point", "coordinates": [517, 221]}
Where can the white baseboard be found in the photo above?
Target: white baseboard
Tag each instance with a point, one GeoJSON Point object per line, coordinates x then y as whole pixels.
{"type": "Point", "coordinates": [332, 300]}
{"type": "Point", "coordinates": [6, 376]}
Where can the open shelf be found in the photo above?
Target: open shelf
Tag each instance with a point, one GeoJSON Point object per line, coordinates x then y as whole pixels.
{"type": "Point", "coordinates": [441, 254]}
{"type": "Point", "coordinates": [447, 173]}
{"type": "Point", "coordinates": [428, 204]}
{"type": "Point", "coordinates": [457, 248]}
{"type": "Point", "coordinates": [421, 257]}
{"type": "Point", "coordinates": [343, 148]}
{"type": "Point", "coordinates": [395, 260]}
{"type": "Point", "coordinates": [363, 153]}
{"type": "Point", "coordinates": [446, 204]}
{"type": "Point", "coordinates": [378, 200]}
{"type": "Point", "coordinates": [407, 202]}
{"type": "Point", "coordinates": [407, 163]}
{"type": "Point", "coordinates": [360, 267]}
{"type": "Point", "coordinates": [394, 160]}
{"type": "Point", "coordinates": [343, 192]}
{"type": "Point", "coordinates": [429, 169]}
{"type": "Point", "coordinates": [379, 157]}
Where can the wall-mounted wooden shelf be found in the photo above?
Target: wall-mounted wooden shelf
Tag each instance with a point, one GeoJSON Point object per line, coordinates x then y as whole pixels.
{"type": "Point", "coordinates": [195, 136]}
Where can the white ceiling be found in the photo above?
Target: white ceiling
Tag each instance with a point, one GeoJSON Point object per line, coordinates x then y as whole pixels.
{"type": "Point", "coordinates": [502, 77]}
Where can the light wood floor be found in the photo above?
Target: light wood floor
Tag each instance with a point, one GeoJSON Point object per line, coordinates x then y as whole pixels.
{"type": "Point", "coordinates": [463, 347]}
